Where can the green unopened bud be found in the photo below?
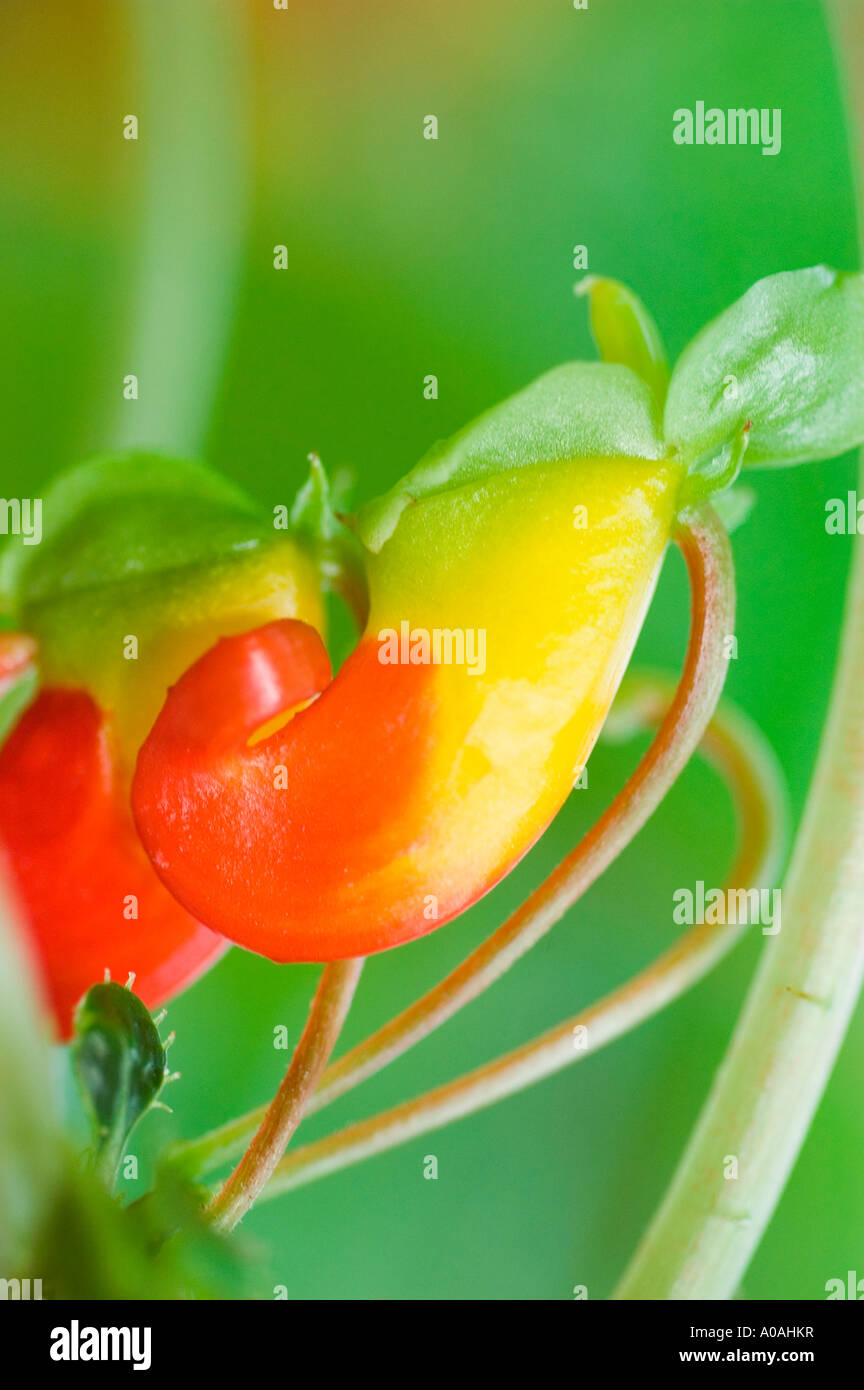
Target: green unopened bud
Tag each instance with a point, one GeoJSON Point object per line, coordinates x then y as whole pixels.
{"type": "Point", "coordinates": [120, 1066]}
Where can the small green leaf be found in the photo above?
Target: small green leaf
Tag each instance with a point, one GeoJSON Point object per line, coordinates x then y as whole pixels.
{"type": "Point", "coordinates": [335, 550]}
{"type": "Point", "coordinates": [120, 1065]}
{"type": "Point", "coordinates": [578, 410]}
{"type": "Point", "coordinates": [313, 515]}
{"type": "Point", "coordinates": [789, 357]}
{"type": "Point", "coordinates": [625, 332]}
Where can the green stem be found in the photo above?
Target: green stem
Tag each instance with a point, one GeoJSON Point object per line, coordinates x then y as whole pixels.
{"type": "Point", "coordinates": [705, 547]}
{"type": "Point", "coordinates": [792, 1025]}
{"type": "Point", "coordinates": [192, 172]}
{"type": "Point", "coordinates": [736, 748]}
{"type": "Point", "coordinates": [329, 1008]}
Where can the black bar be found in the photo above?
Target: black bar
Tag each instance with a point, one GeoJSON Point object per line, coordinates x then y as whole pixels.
{"type": "Point", "coordinates": [205, 1337]}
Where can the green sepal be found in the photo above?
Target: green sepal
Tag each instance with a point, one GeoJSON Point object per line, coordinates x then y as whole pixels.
{"type": "Point", "coordinates": [625, 332]}
{"type": "Point", "coordinates": [714, 476]}
{"type": "Point", "coordinates": [789, 357]}
{"type": "Point", "coordinates": [318, 526]}
{"type": "Point", "coordinates": [313, 514]}
{"type": "Point", "coordinates": [119, 1063]}
{"type": "Point", "coordinates": [129, 517]}
{"type": "Point", "coordinates": [578, 410]}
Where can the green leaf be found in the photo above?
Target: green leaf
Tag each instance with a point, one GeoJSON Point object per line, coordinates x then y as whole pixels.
{"type": "Point", "coordinates": [129, 516]}
{"type": "Point", "coordinates": [159, 1247]}
{"type": "Point", "coordinates": [789, 357]}
{"type": "Point", "coordinates": [578, 410]}
{"type": "Point", "coordinates": [120, 1065]}
{"type": "Point", "coordinates": [625, 332]}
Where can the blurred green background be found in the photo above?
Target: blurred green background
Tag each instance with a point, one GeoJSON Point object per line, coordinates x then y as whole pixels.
{"type": "Point", "coordinates": [406, 257]}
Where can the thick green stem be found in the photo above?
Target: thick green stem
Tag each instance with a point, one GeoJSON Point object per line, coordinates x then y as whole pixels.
{"type": "Point", "coordinates": [329, 1008]}
{"type": "Point", "coordinates": [191, 170]}
{"type": "Point", "coordinates": [705, 547]}
{"type": "Point", "coordinates": [798, 1008]}
{"type": "Point", "coordinates": [786, 1041]}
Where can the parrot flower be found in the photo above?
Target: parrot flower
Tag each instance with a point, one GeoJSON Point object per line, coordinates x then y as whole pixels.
{"type": "Point", "coordinates": [312, 820]}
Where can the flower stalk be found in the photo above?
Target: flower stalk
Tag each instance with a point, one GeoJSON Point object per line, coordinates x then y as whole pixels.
{"type": "Point", "coordinates": [329, 1009]}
